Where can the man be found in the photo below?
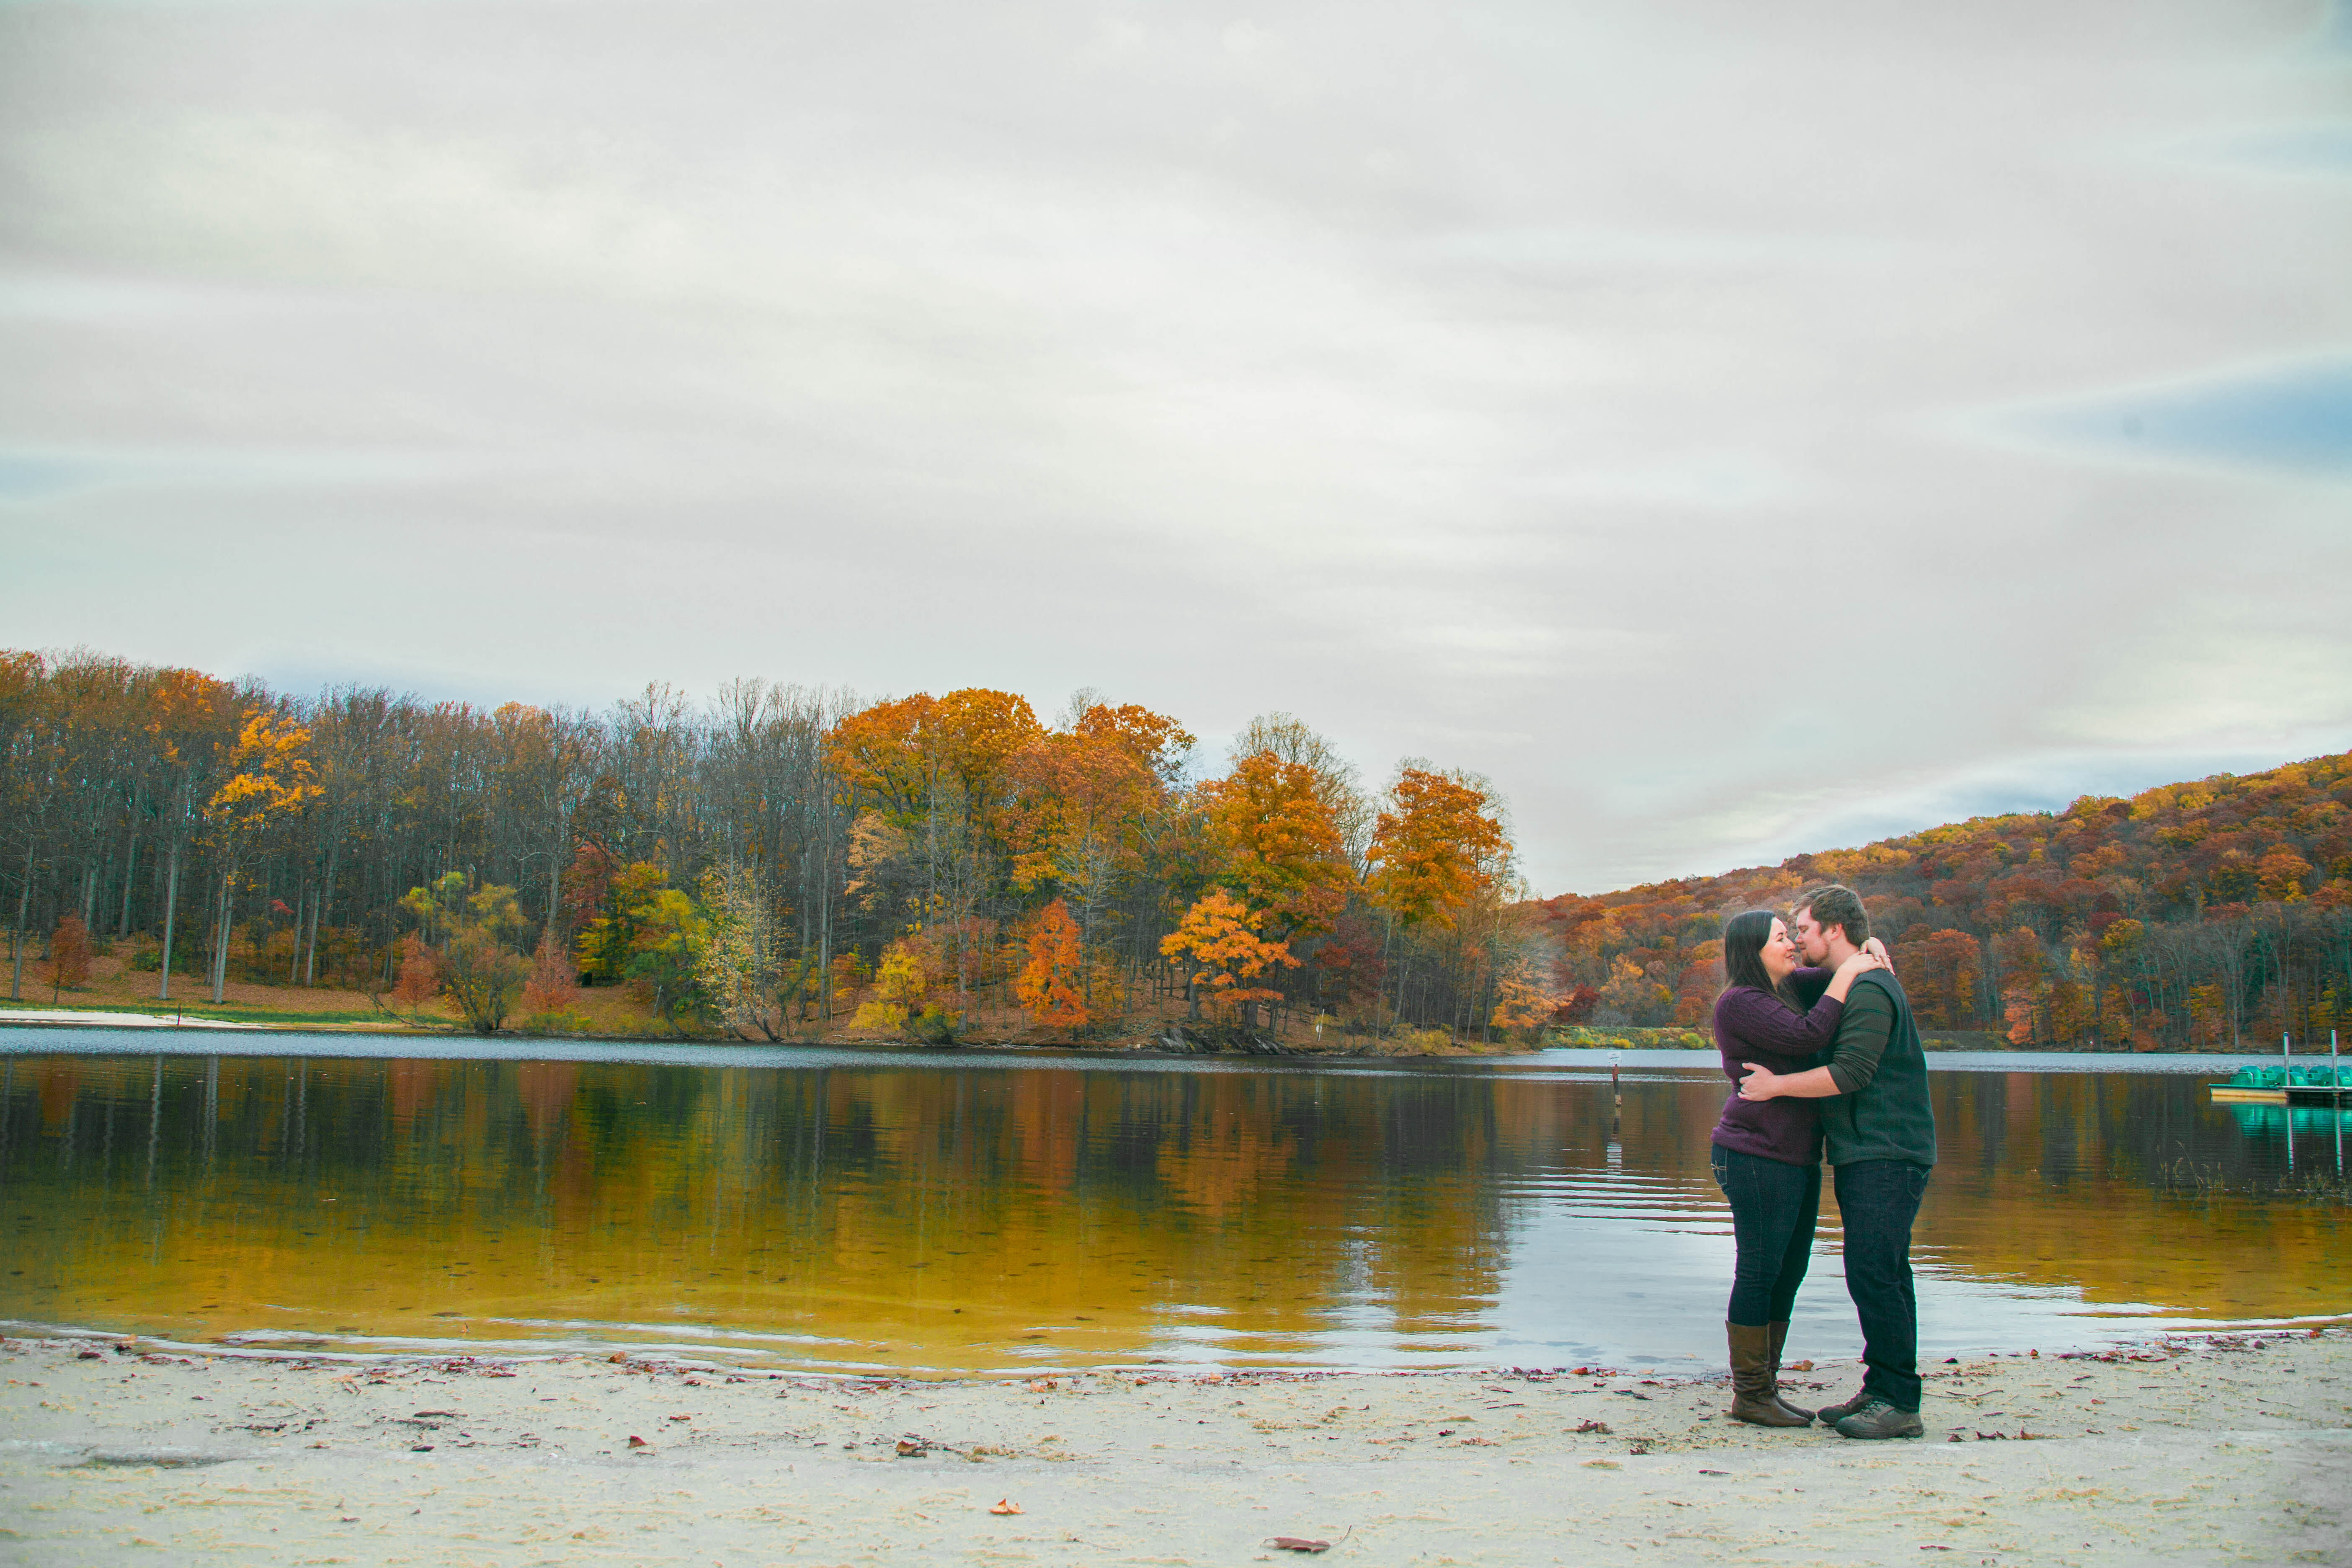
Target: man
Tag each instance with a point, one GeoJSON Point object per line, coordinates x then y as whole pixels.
{"type": "Point", "coordinates": [1881, 1132]}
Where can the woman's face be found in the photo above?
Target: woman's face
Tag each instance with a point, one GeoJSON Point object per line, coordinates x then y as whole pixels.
{"type": "Point", "coordinates": [1779, 953]}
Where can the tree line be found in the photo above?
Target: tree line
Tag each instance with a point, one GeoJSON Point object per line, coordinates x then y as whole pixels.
{"type": "Point", "coordinates": [774, 862]}
{"type": "Point", "coordinates": [2212, 914]}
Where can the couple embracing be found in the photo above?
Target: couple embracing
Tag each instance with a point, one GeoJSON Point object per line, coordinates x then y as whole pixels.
{"type": "Point", "coordinates": [1819, 1037]}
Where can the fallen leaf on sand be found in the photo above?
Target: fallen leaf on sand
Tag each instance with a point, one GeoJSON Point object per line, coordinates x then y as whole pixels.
{"type": "Point", "coordinates": [637, 1442]}
{"type": "Point", "coordinates": [911, 1448]}
{"type": "Point", "coordinates": [1297, 1543]}
{"type": "Point", "coordinates": [681, 1417]}
{"type": "Point", "coordinates": [1589, 1425]}
{"type": "Point", "coordinates": [422, 1412]}
{"type": "Point", "coordinates": [1005, 1505]}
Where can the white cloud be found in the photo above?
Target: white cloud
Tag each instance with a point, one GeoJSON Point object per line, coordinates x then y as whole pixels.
{"type": "Point", "coordinates": [1594, 398]}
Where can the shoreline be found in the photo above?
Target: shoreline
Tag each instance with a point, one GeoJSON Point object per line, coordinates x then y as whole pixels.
{"type": "Point", "coordinates": [2225, 1447]}
{"type": "Point", "coordinates": [129, 1021]}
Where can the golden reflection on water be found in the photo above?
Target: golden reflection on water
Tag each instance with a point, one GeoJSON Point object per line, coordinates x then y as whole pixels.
{"type": "Point", "coordinates": [2135, 1189]}
{"type": "Point", "coordinates": [952, 1218]}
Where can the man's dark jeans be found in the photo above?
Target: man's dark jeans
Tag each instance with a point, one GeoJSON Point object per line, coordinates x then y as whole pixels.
{"type": "Point", "coordinates": [1774, 1209]}
{"type": "Point", "coordinates": [1878, 1199]}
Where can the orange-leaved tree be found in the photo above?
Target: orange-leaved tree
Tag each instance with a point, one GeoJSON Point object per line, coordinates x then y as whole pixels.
{"type": "Point", "coordinates": [69, 954]}
{"type": "Point", "coordinates": [1219, 939]}
{"type": "Point", "coordinates": [1080, 809]}
{"type": "Point", "coordinates": [938, 771]}
{"type": "Point", "coordinates": [1437, 847]}
{"type": "Point", "coordinates": [420, 975]}
{"type": "Point", "coordinates": [1278, 842]}
{"type": "Point", "coordinates": [1939, 972]}
{"type": "Point", "coordinates": [1050, 983]}
{"type": "Point", "coordinates": [1521, 1003]}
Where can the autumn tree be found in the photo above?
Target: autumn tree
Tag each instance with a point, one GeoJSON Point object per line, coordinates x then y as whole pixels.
{"type": "Point", "coordinates": [269, 779]}
{"type": "Point", "coordinates": [937, 773]}
{"type": "Point", "coordinates": [1220, 941]}
{"type": "Point", "coordinates": [420, 976]}
{"type": "Point", "coordinates": [554, 984]}
{"type": "Point", "coordinates": [2024, 974]}
{"type": "Point", "coordinates": [648, 935]}
{"type": "Point", "coordinates": [735, 953]}
{"type": "Point", "coordinates": [1082, 805]}
{"type": "Point", "coordinates": [1522, 1004]}
{"type": "Point", "coordinates": [473, 934]}
{"type": "Point", "coordinates": [69, 962]}
{"type": "Point", "coordinates": [1940, 972]}
{"type": "Point", "coordinates": [1278, 844]}
{"type": "Point", "coordinates": [1436, 847]}
{"type": "Point", "coordinates": [1051, 984]}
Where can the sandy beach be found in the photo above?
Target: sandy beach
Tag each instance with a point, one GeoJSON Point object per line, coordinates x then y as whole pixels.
{"type": "Point", "coordinates": [2222, 1449]}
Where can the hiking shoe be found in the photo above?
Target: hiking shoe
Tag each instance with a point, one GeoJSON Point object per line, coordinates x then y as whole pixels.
{"type": "Point", "coordinates": [1880, 1419]}
{"type": "Point", "coordinates": [1831, 1415]}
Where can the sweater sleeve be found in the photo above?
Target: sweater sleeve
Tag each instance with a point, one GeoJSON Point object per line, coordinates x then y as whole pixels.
{"type": "Point", "coordinates": [1761, 1021]}
{"type": "Point", "coordinates": [1862, 1037]}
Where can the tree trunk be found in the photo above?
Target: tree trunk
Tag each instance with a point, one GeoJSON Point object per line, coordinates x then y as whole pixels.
{"type": "Point", "coordinates": [23, 909]}
{"type": "Point", "coordinates": [825, 922]}
{"type": "Point", "coordinates": [130, 872]}
{"type": "Point", "coordinates": [220, 945]}
{"type": "Point", "coordinates": [317, 907]}
{"type": "Point", "coordinates": [171, 908]}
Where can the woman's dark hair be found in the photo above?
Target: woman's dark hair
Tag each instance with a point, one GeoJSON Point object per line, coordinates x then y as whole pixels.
{"type": "Point", "coordinates": [1744, 936]}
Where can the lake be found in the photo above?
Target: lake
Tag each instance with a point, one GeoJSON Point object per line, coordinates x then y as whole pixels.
{"type": "Point", "coordinates": [856, 1210]}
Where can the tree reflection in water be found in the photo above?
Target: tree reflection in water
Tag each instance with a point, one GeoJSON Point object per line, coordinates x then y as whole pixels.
{"type": "Point", "coordinates": [946, 1215]}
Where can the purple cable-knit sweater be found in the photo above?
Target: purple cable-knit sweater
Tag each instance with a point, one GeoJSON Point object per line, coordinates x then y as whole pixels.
{"type": "Point", "coordinates": [1752, 1026]}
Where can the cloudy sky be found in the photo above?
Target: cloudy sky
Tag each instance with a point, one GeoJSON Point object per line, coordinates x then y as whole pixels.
{"type": "Point", "coordinates": [1734, 429]}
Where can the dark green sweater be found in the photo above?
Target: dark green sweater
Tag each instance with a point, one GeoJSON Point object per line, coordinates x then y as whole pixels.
{"type": "Point", "coordinates": [1880, 1111]}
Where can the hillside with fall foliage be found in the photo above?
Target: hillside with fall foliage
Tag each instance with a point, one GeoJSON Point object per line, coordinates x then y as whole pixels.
{"type": "Point", "coordinates": [2192, 915]}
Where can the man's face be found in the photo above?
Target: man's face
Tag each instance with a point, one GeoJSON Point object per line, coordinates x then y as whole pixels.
{"type": "Point", "coordinates": [1811, 940]}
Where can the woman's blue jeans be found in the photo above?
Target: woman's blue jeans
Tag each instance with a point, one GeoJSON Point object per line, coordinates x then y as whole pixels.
{"type": "Point", "coordinates": [1774, 1209]}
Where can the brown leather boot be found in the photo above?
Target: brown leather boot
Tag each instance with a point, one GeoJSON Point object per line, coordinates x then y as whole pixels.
{"type": "Point", "coordinates": [1751, 1379]}
{"type": "Point", "coordinates": [1779, 1338]}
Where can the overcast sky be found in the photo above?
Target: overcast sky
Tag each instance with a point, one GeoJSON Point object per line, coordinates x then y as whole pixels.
{"type": "Point", "coordinates": [1734, 428]}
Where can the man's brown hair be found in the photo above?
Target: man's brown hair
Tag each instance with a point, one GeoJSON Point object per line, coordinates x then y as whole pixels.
{"type": "Point", "coordinates": [1835, 904]}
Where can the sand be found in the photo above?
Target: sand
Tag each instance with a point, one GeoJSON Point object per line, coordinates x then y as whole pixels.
{"type": "Point", "coordinates": [2228, 1448]}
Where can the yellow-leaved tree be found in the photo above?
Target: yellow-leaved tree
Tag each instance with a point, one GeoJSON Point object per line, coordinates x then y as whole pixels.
{"type": "Point", "coordinates": [735, 956]}
{"type": "Point", "coordinates": [474, 935]}
{"type": "Point", "coordinates": [269, 779]}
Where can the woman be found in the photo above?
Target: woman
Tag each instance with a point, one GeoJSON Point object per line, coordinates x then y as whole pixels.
{"type": "Point", "coordinates": [1768, 1153]}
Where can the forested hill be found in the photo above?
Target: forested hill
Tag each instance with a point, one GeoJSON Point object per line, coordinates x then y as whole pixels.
{"type": "Point", "coordinates": [2192, 915]}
